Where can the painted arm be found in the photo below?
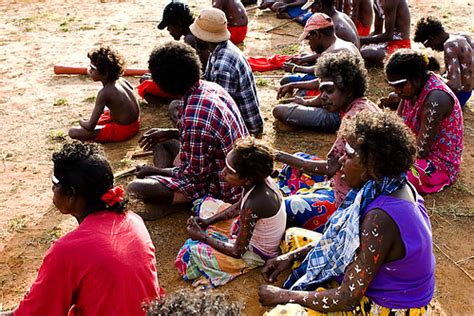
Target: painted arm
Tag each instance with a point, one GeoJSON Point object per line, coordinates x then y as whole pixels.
{"type": "Point", "coordinates": [390, 10]}
{"type": "Point", "coordinates": [438, 105]}
{"type": "Point", "coordinates": [322, 167]}
{"type": "Point", "coordinates": [453, 67]}
{"type": "Point", "coordinates": [99, 106]}
{"type": "Point", "coordinates": [230, 212]}
{"type": "Point", "coordinates": [378, 232]}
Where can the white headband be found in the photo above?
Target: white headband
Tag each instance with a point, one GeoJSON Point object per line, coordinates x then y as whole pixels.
{"type": "Point", "coordinates": [228, 166]}
{"type": "Point", "coordinates": [54, 179]}
{"type": "Point", "coordinates": [91, 66]}
{"type": "Point", "coordinates": [392, 83]}
{"type": "Point", "coordinates": [349, 149]}
{"type": "Point", "coordinates": [326, 83]}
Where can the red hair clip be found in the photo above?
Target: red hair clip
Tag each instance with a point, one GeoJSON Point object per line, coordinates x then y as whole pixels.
{"type": "Point", "coordinates": [113, 196]}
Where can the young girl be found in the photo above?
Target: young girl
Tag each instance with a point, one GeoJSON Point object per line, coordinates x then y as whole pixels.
{"type": "Point", "coordinates": [89, 271]}
{"type": "Point", "coordinates": [230, 240]}
{"type": "Point", "coordinates": [115, 116]}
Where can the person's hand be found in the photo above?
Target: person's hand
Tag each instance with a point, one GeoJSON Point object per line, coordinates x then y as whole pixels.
{"type": "Point", "coordinates": [203, 223]}
{"type": "Point", "coordinates": [284, 90]}
{"type": "Point", "coordinates": [282, 8]}
{"type": "Point", "coordinates": [142, 171]}
{"type": "Point", "coordinates": [289, 67]}
{"type": "Point", "coordinates": [298, 60]}
{"type": "Point", "coordinates": [194, 230]}
{"type": "Point", "coordinates": [152, 137]}
{"type": "Point", "coordinates": [273, 267]}
{"type": "Point", "coordinates": [270, 295]}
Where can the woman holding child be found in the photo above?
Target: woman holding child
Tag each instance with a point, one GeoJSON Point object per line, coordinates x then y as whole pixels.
{"type": "Point", "coordinates": [229, 240]}
{"type": "Point", "coordinates": [343, 83]}
{"type": "Point", "coordinates": [432, 111]}
{"type": "Point", "coordinates": [377, 245]}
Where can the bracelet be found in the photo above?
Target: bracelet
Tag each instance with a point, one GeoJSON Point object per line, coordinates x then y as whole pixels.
{"type": "Point", "coordinates": [293, 69]}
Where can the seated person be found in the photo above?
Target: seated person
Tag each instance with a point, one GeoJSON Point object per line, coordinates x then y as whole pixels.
{"type": "Point", "coordinates": [343, 84]}
{"type": "Point", "coordinates": [361, 13]}
{"type": "Point", "coordinates": [110, 239]}
{"type": "Point", "coordinates": [432, 111]}
{"type": "Point", "coordinates": [227, 66]}
{"type": "Point", "coordinates": [237, 18]}
{"type": "Point", "coordinates": [391, 31]}
{"type": "Point", "coordinates": [378, 244]}
{"type": "Point", "coordinates": [286, 9]}
{"type": "Point", "coordinates": [319, 31]}
{"type": "Point", "coordinates": [236, 238]}
{"type": "Point", "coordinates": [458, 55]}
{"type": "Point", "coordinates": [177, 17]}
{"type": "Point", "coordinates": [116, 115]}
{"type": "Point", "coordinates": [209, 123]}
{"type": "Point", "coordinates": [344, 26]}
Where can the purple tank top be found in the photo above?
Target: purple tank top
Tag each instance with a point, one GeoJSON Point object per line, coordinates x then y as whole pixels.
{"type": "Point", "coordinates": [407, 282]}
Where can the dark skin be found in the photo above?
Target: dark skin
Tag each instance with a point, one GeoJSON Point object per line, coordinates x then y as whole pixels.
{"type": "Point", "coordinates": [357, 10]}
{"type": "Point", "coordinates": [438, 105]}
{"type": "Point", "coordinates": [261, 203]}
{"type": "Point", "coordinates": [380, 242]}
{"type": "Point", "coordinates": [118, 96]}
{"type": "Point", "coordinates": [280, 7]}
{"type": "Point", "coordinates": [344, 26]}
{"type": "Point", "coordinates": [333, 100]}
{"type": "Point", "coordinates": [391, 17]}
{"type": "Point", "coordinates": [234, 11]}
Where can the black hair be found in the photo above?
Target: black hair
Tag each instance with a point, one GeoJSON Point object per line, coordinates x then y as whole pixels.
{"type": "Point", "coordinates": [108, 62]}
{"type": "Point", "coordinates": [408, 64]}
{"type": "Point", "coordinates": [384, 143]}
{"type": "Point", "coordinates": [83, 170]}
{"type": "Point", "coordinates": [175, 67]}
{"type": "Point", "coordinates": [427, 27]}
{"type": "Point", "coordinates": [327, 3]}
{"type": "Point", "coordinates": [254, 159]}
{"type": "Point", "coordinates": [346, 70]}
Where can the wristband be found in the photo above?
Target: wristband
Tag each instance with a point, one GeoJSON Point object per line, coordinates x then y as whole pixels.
{"type": "Point", "coordinates": [293, 69]}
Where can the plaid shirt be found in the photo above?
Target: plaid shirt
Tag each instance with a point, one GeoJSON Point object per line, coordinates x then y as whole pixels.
{"type": "Point", "coordinates": [209, 122]}
{"type": "Point", "coordinates": [228, 67]}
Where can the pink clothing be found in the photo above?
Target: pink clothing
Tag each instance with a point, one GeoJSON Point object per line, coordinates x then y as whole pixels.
{"type": "Point", "coordinates": [338, 148]}
{"type": "Point", "coordinates": [268, 232]}
{"type": "Point", "coordinates": [106, 266]}
{"type": "Point", "coordinates": [444, 158]}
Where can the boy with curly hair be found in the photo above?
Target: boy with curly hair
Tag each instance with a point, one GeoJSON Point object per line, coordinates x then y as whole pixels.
{"type": "Point", "coordinates": [458, 55]}
{"type": "Point", "coordinates": [115, 116]}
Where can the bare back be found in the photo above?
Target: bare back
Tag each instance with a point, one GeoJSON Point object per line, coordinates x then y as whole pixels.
{"type": "Point", "coordinates": [345, 28]}
{"type": "Point", "coordinates": [459, 61]}
{"type": "Point", "coordinates": [341, 45]}
{"type": "Point", "coordinates": [119, 98]}
{"type": "Point", "coordinates": [234, 11]}
{"type": "Point", "coordinates": [357, 10]}
{"type": "Point", "coordinates": [396, 16]}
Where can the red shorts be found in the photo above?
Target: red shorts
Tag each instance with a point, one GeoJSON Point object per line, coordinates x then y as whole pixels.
{"type": "Point", "coordinates": [150, 87]}
{"type": "Point", "coordinates": [113, 132]}
{"type": "Point", "coordinates": [361, 29]}
{"type": "Point", "coordinates": [393, 46]}
{"type": "Point", "coordinates": [237, 33]}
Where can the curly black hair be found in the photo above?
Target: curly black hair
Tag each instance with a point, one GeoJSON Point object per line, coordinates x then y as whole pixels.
{"type": "Point", "coordinates": [186, 302]}
{"type": "Point", "coordinates": [408, 64]}
{"type": "Point", "coordinates": [254, 159]}
{"type": "Point", "coordinates": [427, 27]}
{"type": "Point", "coordinates": [175, 67]}
{"type": "Point", "coordinates": [384, 143]}
{"type": "Point", "coordinates": [82, 169]}
{"type": "Point", "coordinates": [346, 70]}
{"type": "Point", "coordinates": [108, 61]}
{"type": "Point", "coordinates": [327, 3]}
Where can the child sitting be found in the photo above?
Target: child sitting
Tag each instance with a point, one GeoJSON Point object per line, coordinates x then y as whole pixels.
{"type": "Point", "coordinates": [115, 116]}
{"type": "Point", "coordinates": [230, 240]}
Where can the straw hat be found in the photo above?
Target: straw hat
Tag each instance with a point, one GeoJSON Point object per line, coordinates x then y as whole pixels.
{"type": "Point", "coordinates": [211, 26]}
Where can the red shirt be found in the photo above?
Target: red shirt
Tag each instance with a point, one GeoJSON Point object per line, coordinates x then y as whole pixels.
{"type": "Point", "coordinates": [106, 266]}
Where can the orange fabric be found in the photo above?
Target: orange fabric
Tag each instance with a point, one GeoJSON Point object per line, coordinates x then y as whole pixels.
{"type": "Point", "coordinates": [113, 132]}
{"type": "Point", "coordinates": [274, 62]}
{"type": "Point", "coordinates": [361, 29]}
{"type": "Point", "coordinates": [393, 46]}
{"type": "Point", "coordinates": [150, 87]}
{"type": "Point", "coordinates": [237, 33]}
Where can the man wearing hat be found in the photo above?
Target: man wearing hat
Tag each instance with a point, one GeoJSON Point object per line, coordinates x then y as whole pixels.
{"type": "Point", "coordinates": [319, 30]}
{"type": "Point", "coordinates": [227, 66]}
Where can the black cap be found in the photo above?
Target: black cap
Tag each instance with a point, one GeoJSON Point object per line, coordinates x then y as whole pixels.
{"type": "Point", "coordinates": [175, 11]}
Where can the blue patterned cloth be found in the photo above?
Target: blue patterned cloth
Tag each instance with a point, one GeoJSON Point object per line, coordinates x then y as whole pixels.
{"type": "Point", "coordinates": [336, 249]}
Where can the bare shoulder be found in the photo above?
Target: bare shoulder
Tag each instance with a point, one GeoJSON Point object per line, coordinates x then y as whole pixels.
{"type": "Point", "coordinates": [263, 201]}
{"type": "Point", "coordinates": [440, 102]}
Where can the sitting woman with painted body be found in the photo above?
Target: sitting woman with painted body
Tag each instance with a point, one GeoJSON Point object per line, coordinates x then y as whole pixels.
{"type": "Point", "coordinates": [379, 240]}
{"type": "Point", "coordinates": [229, 240]}
{"type": "Point", "coordinates": [432, 111]}
{"type": "Point", "coordinates": [343, 83]}
{"type": "Point", "coordinates": [89, 271]}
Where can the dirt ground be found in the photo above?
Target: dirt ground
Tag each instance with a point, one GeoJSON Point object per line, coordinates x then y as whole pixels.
{"type": "Point", "coordinates": [37, 108]}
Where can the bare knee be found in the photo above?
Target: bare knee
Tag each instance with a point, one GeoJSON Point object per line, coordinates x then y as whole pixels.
{"type": "Point", "coordinates": [280, 112]}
